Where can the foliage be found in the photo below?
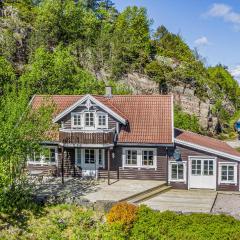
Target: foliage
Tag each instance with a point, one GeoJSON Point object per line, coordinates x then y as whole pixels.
{"type": "Point", "coordinates": [73, 222]}
{"type": "Point", "coordinates": [122, 213]}
{"type": "Point", "coordinates": [185, 121]}
{"type": "Point", "coordinates": [169, 225]}
{"type": "Point", "coordinates": [21, 131]}
{"type": "Point", "coordinates": [7, 74]}
{"type": "Point", "coordinates": [131, 41]}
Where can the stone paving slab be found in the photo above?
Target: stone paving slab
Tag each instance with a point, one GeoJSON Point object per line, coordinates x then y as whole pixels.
{"type": "Point", "coordinates": [121, 189]}
{"type": "Point", "coordinates": [183, 201]}
{"type": "Point", "coordinates": [228, 204]}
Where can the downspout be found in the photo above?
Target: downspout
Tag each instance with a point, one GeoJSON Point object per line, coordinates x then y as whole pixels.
{"type": "Point", "coordinates": [167, 164]}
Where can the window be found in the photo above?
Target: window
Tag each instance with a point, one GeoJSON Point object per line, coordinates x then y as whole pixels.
{"type": "Point", "coordinates": [131, 157]}
{"type": "Point", "coordinates": [102, 120]}
{"type": "Point", "coordinates": [49, 155]}
{"type": "Point", "coordinates": [147, 158]}
{"type": "Point", "coordinates": [101, 156]}
{"type": "Point", "coordinates": [196, 167]}
{"type": "Point", "coordinates": [89, 119]}
{"type": "Point", "coordinates": [89, 156]}
{"type": "Point", "coordinates": [177, 171]}
{"type": "Point", "coordinates": [208, 167]}
{"type": "Point", "coordinates": [78, 156]}
{"type": "Point", "coordinates": [139, 157]}
{"type": "Point", "coordinates": [46, 155]}
{"type": "Point", "coordinates": [76, 120]}
{"type": "Point", "coordinates": [228, 173]}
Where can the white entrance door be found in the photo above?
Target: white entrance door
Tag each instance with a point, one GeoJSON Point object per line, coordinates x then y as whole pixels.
{"type": "Point", "coordinates": [90, 160]}
{"type": "Point", "coordinates": [202, 173]}
{"type": "Point", "coordinates": [90, 165]}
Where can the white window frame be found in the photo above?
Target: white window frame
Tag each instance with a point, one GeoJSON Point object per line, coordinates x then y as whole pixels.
{"type": "Point", "coordinates": [139, 158]}
{"type": "Point", "coordinates": [220, 181]}
{"type": "Point", "coordinates": [42, 158]}
{"type": "Point", "coordinates": [98, 114]}
{"type": "Point", "coordinates": [96, 154]}
{"type": "Point", "coordinates": [72, 119]}
{"type": "Point", "coordinates": [170, 179]}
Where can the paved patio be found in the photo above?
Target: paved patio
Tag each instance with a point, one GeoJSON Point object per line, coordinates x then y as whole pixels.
{"type": "Point", "coordinates": [121, 189]}
{"type": "Point", "coordinates": [93, 190]}
{"type": "Point", "coordinates": [228, 203]}
{"type": "Point", "coordinates": [183, 201]}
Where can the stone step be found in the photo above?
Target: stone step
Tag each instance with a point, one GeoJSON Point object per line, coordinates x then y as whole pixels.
{"type": "Point", "coordinates": [149, 195]}
{"type": "Point", "coordinates": [132, 197]}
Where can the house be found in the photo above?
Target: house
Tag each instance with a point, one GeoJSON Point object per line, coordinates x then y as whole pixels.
{"type": "Point", "coordinates": [132, 137]}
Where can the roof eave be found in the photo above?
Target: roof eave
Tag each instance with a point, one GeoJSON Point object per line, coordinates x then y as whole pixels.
{"type": "Point", "coordinates": [88, 96]}
{"type": "Point", "coordinates": [210, 150]}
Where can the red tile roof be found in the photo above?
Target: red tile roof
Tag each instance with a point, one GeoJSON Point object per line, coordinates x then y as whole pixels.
{"type": "Point", "coordinates": [149, 116]}
{"type": "Point", "coordinates": [205, 141]}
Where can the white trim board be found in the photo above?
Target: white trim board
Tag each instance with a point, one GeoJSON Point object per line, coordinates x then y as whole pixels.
{"type": "Point", "coordinates": [91, 98]}
{"type": "Point", "coordinates": [205, 149]}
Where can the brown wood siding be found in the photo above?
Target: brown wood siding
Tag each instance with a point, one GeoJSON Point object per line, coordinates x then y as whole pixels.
{"type": "Point", "coordinates": [70, 170]}
{"type": "Point", "coordinates": [143, 173]}
{"type": "Point", "coordinates": [186, 152]}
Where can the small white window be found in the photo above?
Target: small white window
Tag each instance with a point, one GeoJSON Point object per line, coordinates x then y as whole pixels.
{"type": "Point", "coordinates": [228, 173]}
{"type": "Point", "coordinates": [89, 119]}
{"type": "Point", "coordinates": [147, 158]}
{"type": "Point", "coordinates": [76, 120]}
{"type": "Point", "coordinates": [177, 171]}
{"type": "Point", "coordinates": [102, 120]}
{"type": "Point", "coordinates": [131, 157]}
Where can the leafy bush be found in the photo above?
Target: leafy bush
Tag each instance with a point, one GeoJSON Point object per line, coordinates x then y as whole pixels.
{"type": "Point", "coordinates": [168, 225]}
{"type": "Point", "coordinates": [123, 213]}
{"type": "Point", "coordinates": [17, 197]}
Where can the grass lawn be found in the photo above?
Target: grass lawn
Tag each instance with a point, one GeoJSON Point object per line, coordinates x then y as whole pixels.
{"type": "Point", "coordinates": [72, 222]}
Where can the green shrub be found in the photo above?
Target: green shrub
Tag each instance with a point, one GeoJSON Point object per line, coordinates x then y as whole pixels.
{"type": "Point", "coordinates": [168, 225]}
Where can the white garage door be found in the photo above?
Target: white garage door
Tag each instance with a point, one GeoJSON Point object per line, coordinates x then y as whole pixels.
{"type": "Point", "coordinates": [202, 172]}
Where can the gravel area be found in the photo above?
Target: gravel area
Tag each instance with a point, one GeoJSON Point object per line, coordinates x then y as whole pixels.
{"type": "Point", "coordinates": [228, 204]}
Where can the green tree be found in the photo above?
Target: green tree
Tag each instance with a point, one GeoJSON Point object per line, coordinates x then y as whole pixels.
{"type": "Point", "coordinates": [57, 73]}
{"type": "Point", "coordinates": [7, 74]}
{"type": "Point", "coordinates": [131, 41]}
{"type": "Point", "coordinates": [62, 22]}
{"type": "Point", "coordinates": [21, 130]}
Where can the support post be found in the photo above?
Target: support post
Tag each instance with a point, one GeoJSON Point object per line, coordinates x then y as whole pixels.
{"type": "Point", "coordinates": [109, 166]}
{"type": "Point", "coordinates": [62, 148]}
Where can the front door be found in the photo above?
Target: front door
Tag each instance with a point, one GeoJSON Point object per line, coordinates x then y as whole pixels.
{"type": "Point", "coordinates": [90, 160]}
{"type": "Point", "coordinates": [202, 173]}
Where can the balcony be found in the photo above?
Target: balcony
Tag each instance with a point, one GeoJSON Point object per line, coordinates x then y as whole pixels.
{"type": "Point", "coordinates": [86, 137]}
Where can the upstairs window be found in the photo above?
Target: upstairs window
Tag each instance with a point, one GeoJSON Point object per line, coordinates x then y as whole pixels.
{"type": "Point", "coordinates": [76, 120]}
{"type": "Point", "coordinates": [89, 119]}
{"type": "Point", "coordinates": [102, 120]}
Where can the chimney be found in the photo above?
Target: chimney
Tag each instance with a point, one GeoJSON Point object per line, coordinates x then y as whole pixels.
{"type": "Point", "coordinates": [108, 91]}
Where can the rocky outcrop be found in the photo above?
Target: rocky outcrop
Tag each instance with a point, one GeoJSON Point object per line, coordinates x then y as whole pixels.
{"type": "Point", "coordinates": [183, 96]}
